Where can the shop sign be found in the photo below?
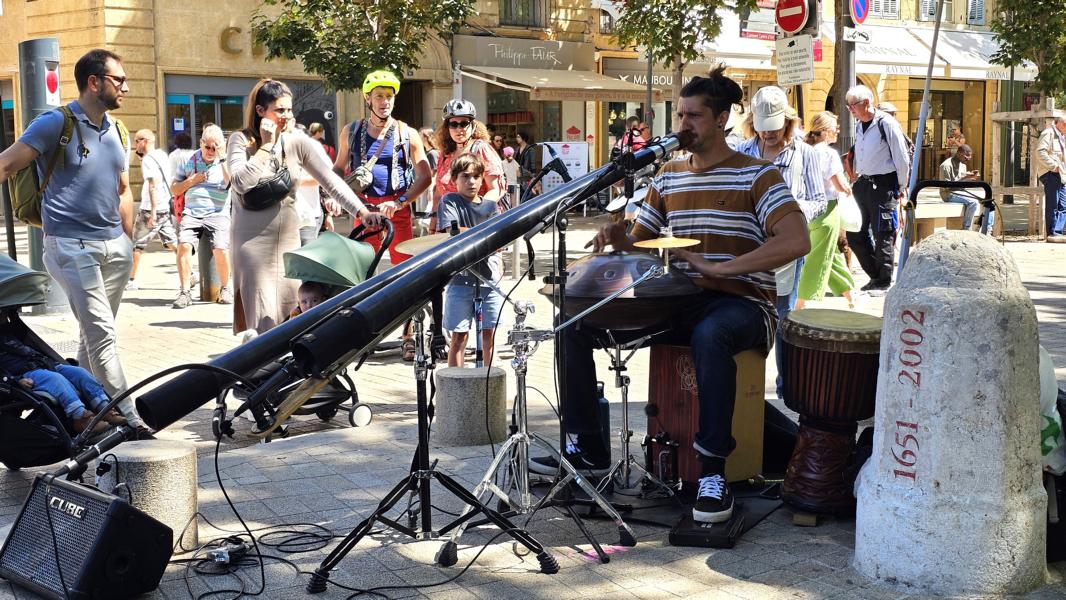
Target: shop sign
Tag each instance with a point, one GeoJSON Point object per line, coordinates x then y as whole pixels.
{"type": "Point", "coordinates": [227, 41]}
{"type": "Point", "coordinates": [575, 157]}
{"type": "Point", "coordinates": [524, 54]}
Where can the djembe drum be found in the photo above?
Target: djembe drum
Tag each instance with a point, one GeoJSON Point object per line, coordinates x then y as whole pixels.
{"type": "Point", "coordinates": [830, 379]}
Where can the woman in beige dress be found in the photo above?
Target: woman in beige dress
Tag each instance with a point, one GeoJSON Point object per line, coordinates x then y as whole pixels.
{"type": "Point", "coordinates": [263, 296]}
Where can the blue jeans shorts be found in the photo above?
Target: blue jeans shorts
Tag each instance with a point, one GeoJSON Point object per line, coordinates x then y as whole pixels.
{"type": "Point", "coordinates": [459, 307]}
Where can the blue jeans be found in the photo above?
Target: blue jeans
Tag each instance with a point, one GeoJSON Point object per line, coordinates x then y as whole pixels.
{"type": "Point", "coordinates": [1054, 203]}
{"type": "Point", "coordinates": [716, 326]}
{"type": "Point", "coordinates": [65, 384]}
{"type": "Point", "coordinates": [972, 204]}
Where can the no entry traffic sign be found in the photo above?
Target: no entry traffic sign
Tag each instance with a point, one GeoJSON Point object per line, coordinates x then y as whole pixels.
{"type": "Point", "coordinates": [792, 15]}
{"type": "Point", "coordinates": [859, 10]}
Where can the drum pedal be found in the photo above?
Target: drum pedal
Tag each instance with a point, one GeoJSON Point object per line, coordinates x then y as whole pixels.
{"type": "Point", "coordinates": [688, 532]}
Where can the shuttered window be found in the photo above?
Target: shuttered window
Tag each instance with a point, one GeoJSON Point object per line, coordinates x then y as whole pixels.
{"type": "Point", "coordinates": [976, 12]}
{"type": "Point", "coordinates": [884, 9]}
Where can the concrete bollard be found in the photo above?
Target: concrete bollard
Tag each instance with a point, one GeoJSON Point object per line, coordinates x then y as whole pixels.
{"type": "Point", "coordinates": [459, 419]}
{"type": "Point", "coordinates": [951, 500]}
{"type": "Point", "coordinates": [161, 477]}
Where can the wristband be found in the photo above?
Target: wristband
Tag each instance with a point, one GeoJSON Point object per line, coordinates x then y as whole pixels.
{"type": "Point", "coordinates": [401, 202]}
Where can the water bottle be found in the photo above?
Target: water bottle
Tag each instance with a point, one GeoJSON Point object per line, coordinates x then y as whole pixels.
{"type": "Point", "coordinates": [604, 408]}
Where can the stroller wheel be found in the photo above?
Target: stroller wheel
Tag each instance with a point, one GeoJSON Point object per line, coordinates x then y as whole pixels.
{"type": "Point", "coordinates": [360, 415]}
{"type": "Point", "coordinates": [326, 413]}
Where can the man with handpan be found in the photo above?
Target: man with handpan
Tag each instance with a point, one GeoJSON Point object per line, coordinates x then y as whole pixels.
{"type": "Point", "coordinates": [746, 224]}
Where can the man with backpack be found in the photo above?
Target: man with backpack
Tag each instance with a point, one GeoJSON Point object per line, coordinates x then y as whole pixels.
{"type": "Point", "coordinates": [393, 154]}
{"type": "Point", "coordinates": [882, 171]}
{"type": "Point", "coordinates": [86, 209]}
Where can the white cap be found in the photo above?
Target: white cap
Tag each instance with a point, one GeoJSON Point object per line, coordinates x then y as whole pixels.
{"type": "Point", "coordinates": [768, 109]}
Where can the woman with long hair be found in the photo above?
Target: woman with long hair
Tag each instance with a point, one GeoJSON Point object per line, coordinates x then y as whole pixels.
{"type": "Point", "coordinates": [460, 133]}
{"type": "Point", "coordinates": [263, 296]}
{"type": "Point", "coordinates": [826, 233]}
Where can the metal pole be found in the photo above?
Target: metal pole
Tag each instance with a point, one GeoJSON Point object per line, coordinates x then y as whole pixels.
{"type": "Point", "coordinates": [35, 57]}
{"type": "Point", "coordinates": [9, 218]}
{"type": "Point", "coordinates": [1008, 176]}
{"type": "Point", "coordinates": [649, 114]}
{"type": "Point", "coordinates": [923, 115]}
{"type": "Point", "coordinates": [845, 76]}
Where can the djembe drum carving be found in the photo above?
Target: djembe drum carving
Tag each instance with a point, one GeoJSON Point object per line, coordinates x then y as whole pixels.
{"type": "Point", "coordinates": [830, 379]}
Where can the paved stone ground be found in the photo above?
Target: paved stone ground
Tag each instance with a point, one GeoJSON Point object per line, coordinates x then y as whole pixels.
{"type": "Point", "coordinates": [334, 475]}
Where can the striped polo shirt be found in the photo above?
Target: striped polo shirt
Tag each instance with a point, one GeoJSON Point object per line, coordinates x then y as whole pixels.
{"type": "Point", "coordinates": [730, 208]}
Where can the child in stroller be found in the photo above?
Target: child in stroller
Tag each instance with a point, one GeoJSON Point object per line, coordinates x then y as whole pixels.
{"type": "Point", "coordinates": [327, 265]}
{"type": "Point", "coordinates": [40, 373]}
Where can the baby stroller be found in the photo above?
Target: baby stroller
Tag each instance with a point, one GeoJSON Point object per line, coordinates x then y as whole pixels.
{"type": "Point", "coordinates": [339, 262]}
{"type": "Point", "coordinates": [33, 428]}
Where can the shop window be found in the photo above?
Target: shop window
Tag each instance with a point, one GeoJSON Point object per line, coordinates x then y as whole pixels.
{"type": "Point", "coordinates": [927, 10]}
{"type": "Point", "coordinates": [976, 13]}
{"type": "Point", "coordinates": [9, 123]}
{"type": "Point", "coordinates": [524, 13]}
{"type": "Point", "coordinates": [884, 9]}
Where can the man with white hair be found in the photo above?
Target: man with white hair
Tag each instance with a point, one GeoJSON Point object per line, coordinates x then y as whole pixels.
{"type": "Point", "coordinates": [204, 180]}
{"type": "Point", "coordinates": [882, 170]}
{"type": "Point", "coordinates": [1050, 170]}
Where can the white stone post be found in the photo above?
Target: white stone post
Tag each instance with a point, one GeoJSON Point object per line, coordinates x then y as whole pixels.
{"type": "Point", "coordinates": [951, 500]}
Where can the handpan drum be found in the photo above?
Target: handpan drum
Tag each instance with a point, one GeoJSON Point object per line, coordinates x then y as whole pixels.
{"type": "Point", "coordinates": [830, 379]}
{"type": "Point", "coordinates": [596, 276]}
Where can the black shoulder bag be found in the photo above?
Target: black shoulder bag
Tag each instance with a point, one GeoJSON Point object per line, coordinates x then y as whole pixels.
{"type": "Point", "coordinates": [269, 192]}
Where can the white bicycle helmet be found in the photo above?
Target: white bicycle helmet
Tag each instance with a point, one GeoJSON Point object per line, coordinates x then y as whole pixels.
{"type": "Point", "coordinates": [459, 108]}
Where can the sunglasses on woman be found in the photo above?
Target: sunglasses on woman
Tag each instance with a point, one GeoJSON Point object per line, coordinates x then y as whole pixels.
{"type": "Point", "coordinates": [458, 124]}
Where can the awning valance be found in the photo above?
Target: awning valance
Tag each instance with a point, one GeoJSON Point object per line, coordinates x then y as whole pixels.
{"type": "Point", "coordinates": [969, 55]}
{"type": "Point", "coordinates": [549, 84]}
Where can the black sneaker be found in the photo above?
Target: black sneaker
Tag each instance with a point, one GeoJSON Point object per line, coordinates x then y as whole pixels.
{"type": "Point", "coordinates": [582, 461]}
{"type": "Point", "coordinates": [876, 285]}
{"type": "Point", "coordinates": [714, 500]}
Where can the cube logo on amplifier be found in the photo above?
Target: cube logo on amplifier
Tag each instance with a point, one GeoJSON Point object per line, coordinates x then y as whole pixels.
{"type": "Point", "coordinates": [66, 507]}
{"type": "Point", "coordinates": [74, 542]}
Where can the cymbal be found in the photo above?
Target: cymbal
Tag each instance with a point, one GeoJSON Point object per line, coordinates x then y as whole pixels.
{"type": "Point", "coordinates": [666, 242]}
{"type": "Point", "coordinates": [418, 245]}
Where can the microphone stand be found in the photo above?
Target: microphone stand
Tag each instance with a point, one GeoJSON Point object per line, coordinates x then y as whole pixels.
{"type": "Point", "coordinates": [418, 482]}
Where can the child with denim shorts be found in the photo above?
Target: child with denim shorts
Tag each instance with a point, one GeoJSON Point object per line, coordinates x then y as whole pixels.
{"type": "Point", "coordinates": [468, 209]}
{"type": "Point", "coordinates": [39, 372]}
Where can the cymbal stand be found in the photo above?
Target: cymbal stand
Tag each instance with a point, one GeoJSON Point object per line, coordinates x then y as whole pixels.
{"type": "Point", "coordinates": [524, 342]}
{"type": "Point", "coordinates": [419, 481]}
{"type": "Point", "coordinates": [621, 472]}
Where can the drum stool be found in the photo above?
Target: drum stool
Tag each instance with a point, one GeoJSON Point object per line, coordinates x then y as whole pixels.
{"type": "Point", "coordinates": [673, 408]}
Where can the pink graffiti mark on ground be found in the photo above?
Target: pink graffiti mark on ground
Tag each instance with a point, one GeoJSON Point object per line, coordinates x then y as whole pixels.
{"type": "Point", "coordinates": [590, 555]}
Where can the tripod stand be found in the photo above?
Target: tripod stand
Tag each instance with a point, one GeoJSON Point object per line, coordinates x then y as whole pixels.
{"type": "Point", "coordinates": [524, 341]}
{"type": "Point", "coordinates": [418, 481]}
{"type": "Point", "coordinates": [623, 469]}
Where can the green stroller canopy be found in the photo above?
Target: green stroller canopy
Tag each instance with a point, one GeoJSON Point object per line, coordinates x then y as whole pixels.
{"type": "Point", "coordinates": [21, 285]}
{"type": "Point", "coordinates": [331, 259]}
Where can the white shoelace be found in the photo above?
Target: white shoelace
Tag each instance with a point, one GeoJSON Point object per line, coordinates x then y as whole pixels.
{"type": "Point", "coordinates": [713, 486]}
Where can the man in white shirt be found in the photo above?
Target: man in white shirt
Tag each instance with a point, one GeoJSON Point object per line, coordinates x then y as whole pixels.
{"type": "Point", "coordinates": [882, 171]}
{"type": "Point", "coordinates": [153, 218]}
{"type": "Point", "coordinates": [1050, 166]}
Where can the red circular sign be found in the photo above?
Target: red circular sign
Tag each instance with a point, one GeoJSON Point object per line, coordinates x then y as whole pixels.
{"type": "Point", "coordinates": [51, 81]}
{"type": "Point", "coordinates": [791, 15]}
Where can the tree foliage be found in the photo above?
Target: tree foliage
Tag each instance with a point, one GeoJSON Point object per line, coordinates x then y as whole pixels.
{"type": "Point", "coordinates": [1033, 30]}
{"type": "Point", "coordinates": [342, 40]}
{"type": "Point", "coordinates": [675, 31]}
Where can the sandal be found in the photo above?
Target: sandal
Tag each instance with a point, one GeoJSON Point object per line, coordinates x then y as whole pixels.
{"type": "Point", "coordinates": [408, 349]}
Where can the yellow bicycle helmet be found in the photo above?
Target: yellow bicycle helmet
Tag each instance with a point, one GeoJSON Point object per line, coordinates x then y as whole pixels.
{"type": "Point", "coordinates": [381, 78]}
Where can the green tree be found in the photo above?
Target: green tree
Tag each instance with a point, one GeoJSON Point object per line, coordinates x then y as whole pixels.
{"type": "Point", "coordinates": [1033, 30]}
{"type": "Point", "coordinates": [341, 41]}
{"type": "Point", "coordinates": [674, 32]}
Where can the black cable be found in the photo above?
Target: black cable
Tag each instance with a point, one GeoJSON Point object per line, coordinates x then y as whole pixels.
{"type": "Point", "coordinates": [55, 543]}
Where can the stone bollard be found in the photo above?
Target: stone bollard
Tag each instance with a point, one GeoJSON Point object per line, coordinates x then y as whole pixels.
{"type": "Point", "coordinates": [161, 477]}
{"type": "Point", "coordinates": [459, 419]}
{"type": "Point", "coordinates": [951, 500]}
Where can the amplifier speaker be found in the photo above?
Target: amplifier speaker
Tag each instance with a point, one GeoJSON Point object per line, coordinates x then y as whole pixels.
{"type": "Point", "coordinates": [75, 542]}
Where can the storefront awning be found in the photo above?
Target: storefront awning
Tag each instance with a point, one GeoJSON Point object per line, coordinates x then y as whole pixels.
{"type": "Point", "coordinates": [735, 51]}
{"type": "Point", "coordinates": [548, 84]}
{"type": "Point", "coordinates": [969, 55]}
{"type": "Point", "coordinates": [892, 51]}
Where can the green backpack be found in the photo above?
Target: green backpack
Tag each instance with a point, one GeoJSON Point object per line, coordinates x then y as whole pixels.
{"type": "Point", "coordinates": [27, 190]}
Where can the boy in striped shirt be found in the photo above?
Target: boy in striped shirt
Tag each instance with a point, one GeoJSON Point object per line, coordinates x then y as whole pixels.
{"type": "Point", "coordinates": [748, 224]}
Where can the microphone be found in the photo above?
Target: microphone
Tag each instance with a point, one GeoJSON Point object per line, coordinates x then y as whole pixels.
{"type": "Point", "coordinates": [556, 164]}
{"type": "Point", "coordinates": [79, 463]}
